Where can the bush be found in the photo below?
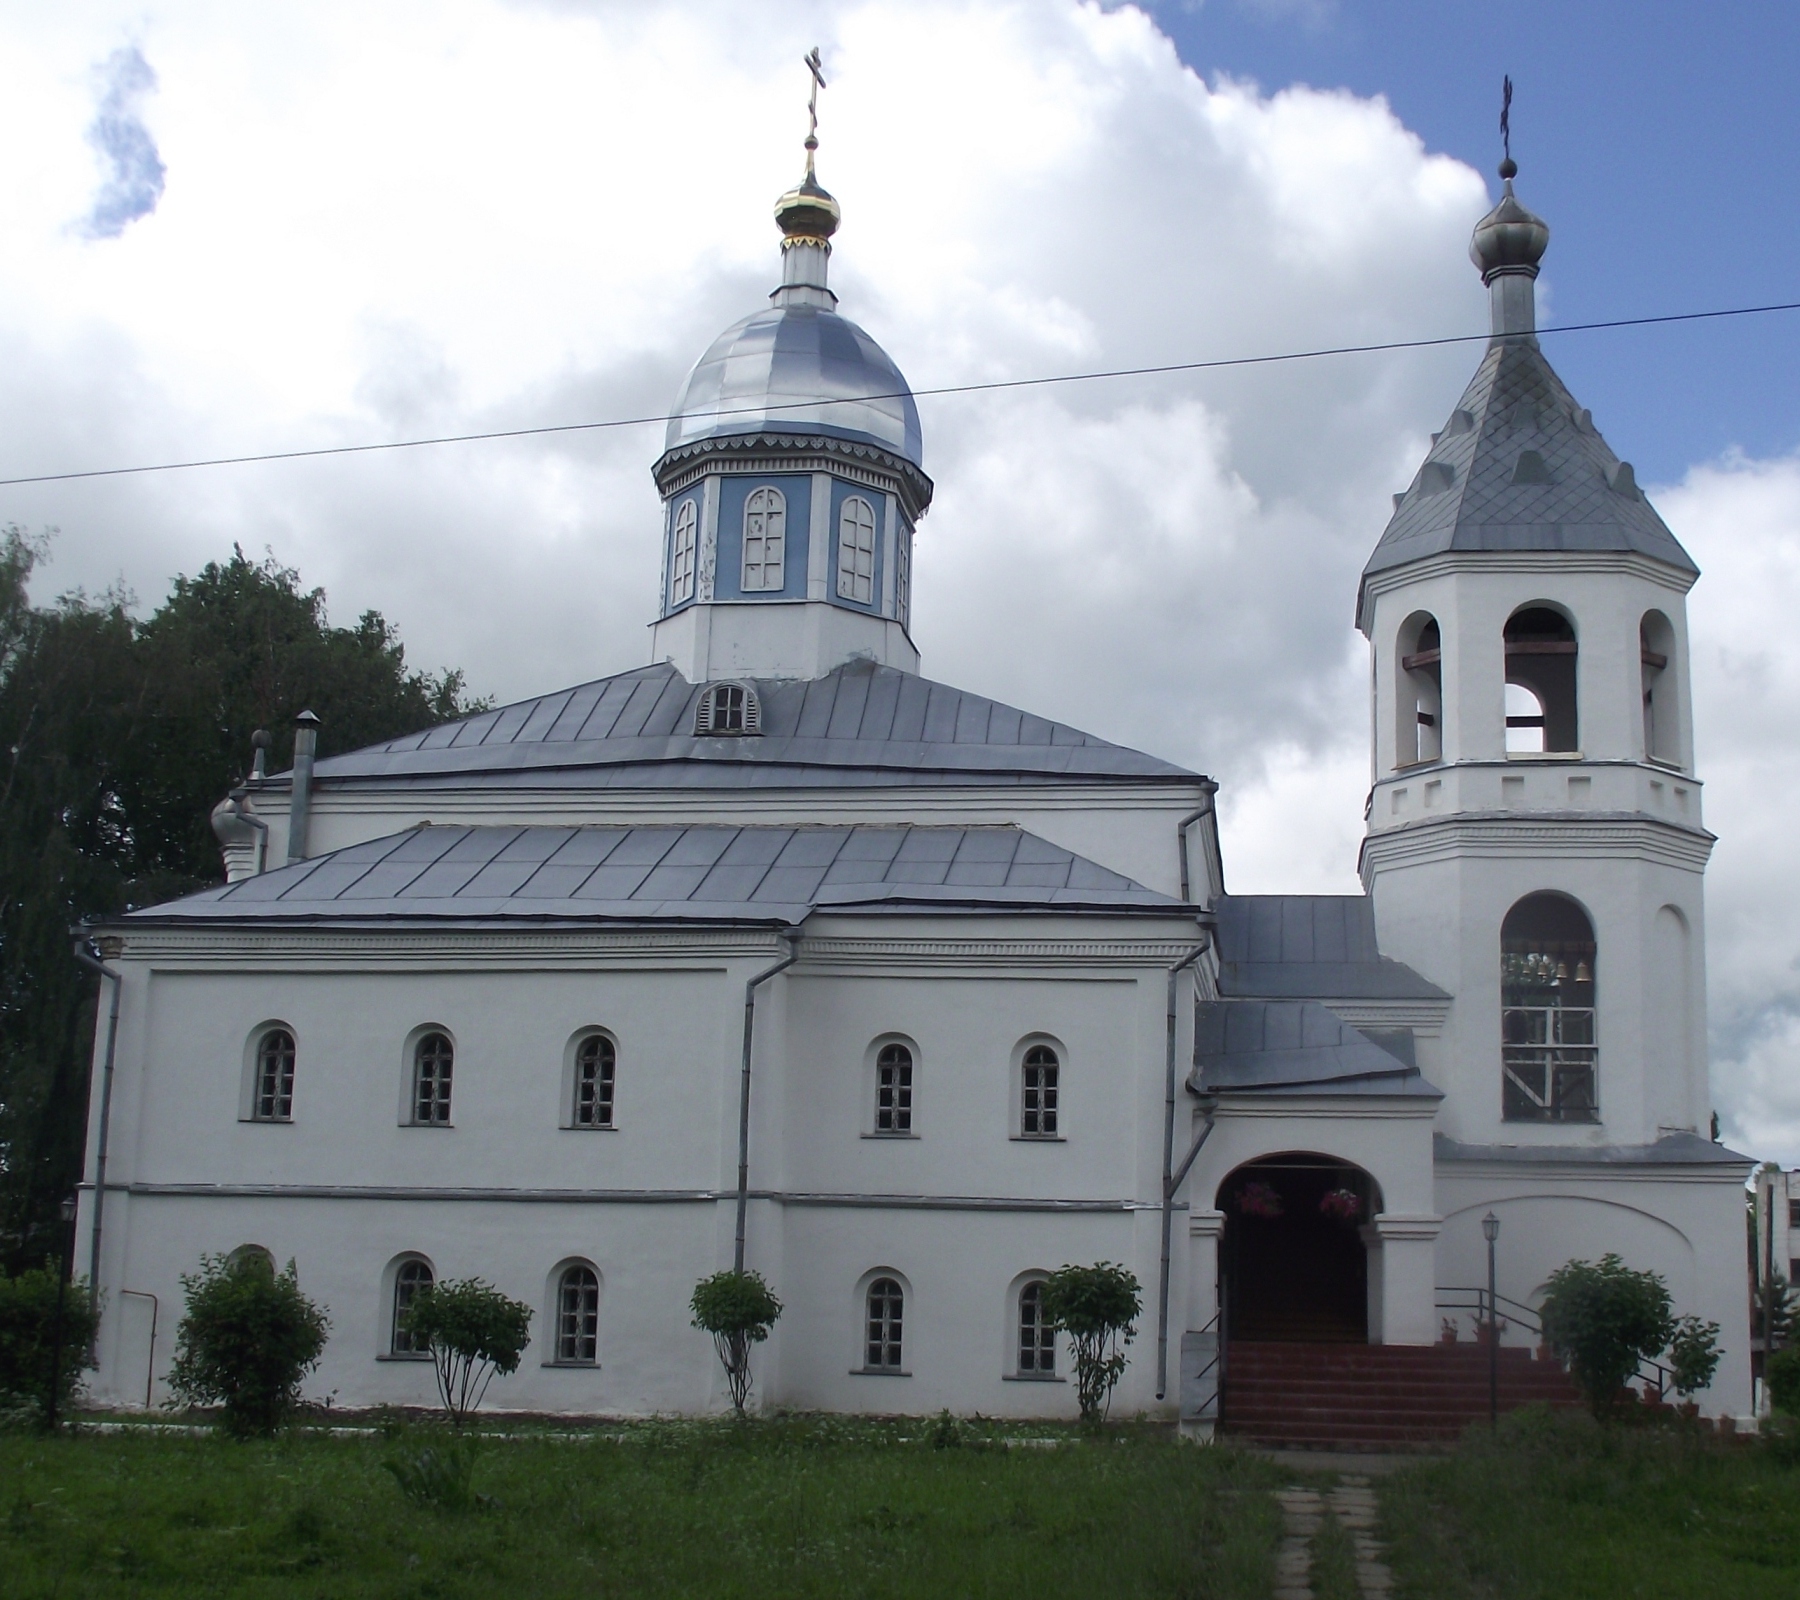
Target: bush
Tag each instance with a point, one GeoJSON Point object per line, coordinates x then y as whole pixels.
{"type": "Point", "coordinates": [738, 1309]}
{"type": "Point", "coordinates": [472, 1332]}
{"type": "Point", "coordinates": [1097, 1307]}
{"type": "Point", "coordinates": [247, 1339]}
{"type": "Point", "coordinates": [441, 1478]}
{"type": "Point", "coordinates": [1783, 1376]}
{"type": "Point", "coordinates": [1603, 1318]}
{"type": "Point", "coordinates": [1693, 1353]}
{"type": "Point", "coordinates": [28, 1339]}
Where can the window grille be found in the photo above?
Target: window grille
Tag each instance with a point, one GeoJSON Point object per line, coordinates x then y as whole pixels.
{"type": "Point", "coordinates": [1037, 1338]}
{"type": "Point", "coordinates": [433, 1058]}
{"type": "Point", "coordinates": [413, 1276]}
{"type": "Point", "coordinates": [681, 555]}
{"type": "Point", "coordinates": [856, 551]}
{"type": "Point", "coordinates": [765, 540]}
{"type": "Point", "coordinates": [1040, 1075]}
{"type": "Point", "coordinates": [893, 1089]}
{"type": "Point", "coordinates": [886, 1313]}
{"type": "Point", "coordinates": [596, 1064]}
{"type": "Point", "coordinates": [1550, 1055]}
{"type": "Point", "coordinates": [274, 1077]}
{"type": "Point", "coordinates": [578, 1316]}
{"type": "Point", "coordinates": [728, 708]}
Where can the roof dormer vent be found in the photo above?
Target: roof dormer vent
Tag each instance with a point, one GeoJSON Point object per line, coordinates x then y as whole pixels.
{"type": "Point", "coordinates": [728, 710]}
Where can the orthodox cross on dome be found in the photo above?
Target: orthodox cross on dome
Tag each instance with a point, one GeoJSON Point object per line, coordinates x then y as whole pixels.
{"type": "Point", "coordinates": [817, 68]}
{"type": "Point", "coordinates": [1508, 167]}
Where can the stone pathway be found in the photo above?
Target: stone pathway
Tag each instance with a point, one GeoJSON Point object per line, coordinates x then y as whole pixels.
{"type": "Point", "coordinates": [1303, 1511]}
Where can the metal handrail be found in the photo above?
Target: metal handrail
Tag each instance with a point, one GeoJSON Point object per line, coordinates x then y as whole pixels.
{"type": "Point", "coordinates": [1657, 1375]}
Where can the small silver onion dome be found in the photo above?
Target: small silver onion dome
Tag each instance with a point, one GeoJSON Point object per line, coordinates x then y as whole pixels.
{"type": "Point", "coordinates": [1509, 238]}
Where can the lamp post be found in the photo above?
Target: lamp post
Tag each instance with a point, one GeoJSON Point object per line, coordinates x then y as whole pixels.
{"type": "Point", "coordinates": [1490, 1230]}
{"type": "Point", "coordinates": [67, 1212]}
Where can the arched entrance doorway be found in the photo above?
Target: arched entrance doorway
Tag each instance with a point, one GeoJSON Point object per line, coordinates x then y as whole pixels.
{"type": "Point", "coordinates": [1293, 1266]}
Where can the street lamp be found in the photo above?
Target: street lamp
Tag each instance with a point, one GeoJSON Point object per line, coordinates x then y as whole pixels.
{"type": "Point", "coordinates": [67, 1211]}
{"type": "Point", "coordinates": [1490, 1230]}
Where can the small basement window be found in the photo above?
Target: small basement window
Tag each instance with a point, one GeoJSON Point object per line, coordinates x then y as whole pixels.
{"type": "Point", "coordinates": [729, 709]}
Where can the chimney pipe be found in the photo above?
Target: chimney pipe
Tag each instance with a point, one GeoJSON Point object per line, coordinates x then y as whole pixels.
{"type": "Point", "coordinates": [306, 742]}
{"type": "Point", "coordinates": [259, 758]}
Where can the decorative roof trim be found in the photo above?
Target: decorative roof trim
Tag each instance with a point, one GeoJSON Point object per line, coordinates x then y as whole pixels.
{"type": "Point", "coordinates": [765, 448]}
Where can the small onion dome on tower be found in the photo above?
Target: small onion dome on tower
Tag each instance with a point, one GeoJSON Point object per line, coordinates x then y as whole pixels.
{"type": "Point", "coordinates": [1509, 238]}
{"type": "Point", "coordinates": [807, 214]}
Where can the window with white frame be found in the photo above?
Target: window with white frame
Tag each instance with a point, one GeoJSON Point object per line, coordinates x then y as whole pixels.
{"type": "Point", "coordinates": [903, 575]}
{"type": "Point", "coordinates": [273, 1100]}
{"type": "Point", "coordinates": [856, 551]}
{"type": "Point", "coordinates": [434, 1057]}
{"type": "Point", "coordinates": [578, 1316]}
{"type": "Point", "coordinates": [893, 1089]}
{"type": "Point", "coordinates": [410, 1277]}
{"type": "Point", "coordinates": [1037, 1335]}
{"type": "Point", "coordinates": [884, 1325]}
{"type": "Point", "coordinates": [765, 540]}
{"type": "Point", "coordinates": [682, 547]}
{"type": "Point", "coordinates": [596, 1069]}
{"type": "Point", "coordinates": [728, 708]}
{"type": "Point", "coordinates": [1040, 1090]}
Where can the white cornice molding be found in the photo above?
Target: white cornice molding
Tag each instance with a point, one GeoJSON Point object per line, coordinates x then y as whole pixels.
{"type": "Point", "coordinates": [1548, 563]}
{"type": "Point", "coordinates": [1530, 1176]}
{"type": "Point", "coordinates": [1252, 1107]}
{"type": "Point", "coordinates": [1420, 1015]}
{"type": "Point", "coordinates": [1500, 835]}
{"type": "Point", "coordinates": [250, 947]}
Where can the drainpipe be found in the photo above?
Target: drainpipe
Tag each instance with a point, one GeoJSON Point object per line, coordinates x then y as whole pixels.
{"type": "Point", "coordinates": [792, 936]}
{"type": "Point", "coordinates": [1168, 1165]}
{"type": "Point", "coordinates": [1181, 834]}
{"type": "Point", "coordinates": [306, 742]}
{"type": "Point", "coordinates": [86, 954]}
{"type": "Point", "coordinates": [253, 820]}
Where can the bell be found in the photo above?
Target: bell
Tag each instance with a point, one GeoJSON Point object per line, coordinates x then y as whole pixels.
{"type": "Point", "coordinates": [1562, 972]}
{"type": "Point", "coordinates": [1583, 972]}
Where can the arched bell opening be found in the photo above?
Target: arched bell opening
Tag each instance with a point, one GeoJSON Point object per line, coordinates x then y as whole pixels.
{"type": "Point", "coordinates": [1293, 1266]}
{"type": "Point", "coordinates": [1541, 653]}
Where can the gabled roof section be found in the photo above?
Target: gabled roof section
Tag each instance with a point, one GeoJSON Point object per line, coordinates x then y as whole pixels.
{"type": "Point", "coordinates": [861, 725]}
{"type": "Point", "coordinates": [1309, 946]}
{"type": "Point", "coordinates": [1293, 1047]}
{"type": "Point", "coordinates": [1521, 467]}
{"type": "Point", "coordinates": [708, 874]}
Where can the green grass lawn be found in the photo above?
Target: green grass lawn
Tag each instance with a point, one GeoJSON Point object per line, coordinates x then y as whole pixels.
{"type": "Point", "coordinates": [807, 1506]}
{"type": "Point", "coordinates": [1558, 1507]}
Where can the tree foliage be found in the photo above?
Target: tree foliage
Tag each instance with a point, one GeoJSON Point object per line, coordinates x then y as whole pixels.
{"type": "Point", "coordinates": [1604, 1318]}
{"type": "Point", "coordinates": [1783, 1370]}
{"type": "Point", "coordinates": [246, 1340]}
{"type": "Point", "coordinates": [738, 1309]}
{"type": "Point", "coordinates": [29, 1343]}
{"type": "Point", "coordinates": [117, 738]}
{"type": "Point", "coordinates": [472, 1332]}
{"type": "Point", "coordinates": [1097, 1307]}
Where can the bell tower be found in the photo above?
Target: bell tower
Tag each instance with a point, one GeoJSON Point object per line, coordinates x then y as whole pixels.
{"type": "Point", "coordinates": [1534, 841]}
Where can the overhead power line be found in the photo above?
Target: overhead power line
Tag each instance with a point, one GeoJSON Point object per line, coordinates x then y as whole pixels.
{"type": "Point", "coordinates": [920, 394]}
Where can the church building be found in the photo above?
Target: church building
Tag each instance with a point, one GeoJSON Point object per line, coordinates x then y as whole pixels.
{"type": "Point", "coordinates": [775, 951]}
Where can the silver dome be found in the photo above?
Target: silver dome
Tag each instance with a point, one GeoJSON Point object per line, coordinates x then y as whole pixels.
{"type": "Point", "coordinates": [771, 371]}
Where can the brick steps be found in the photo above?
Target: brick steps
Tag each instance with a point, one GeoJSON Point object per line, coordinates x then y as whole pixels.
{"type": "Point", "coordinates": [1381, 1396]}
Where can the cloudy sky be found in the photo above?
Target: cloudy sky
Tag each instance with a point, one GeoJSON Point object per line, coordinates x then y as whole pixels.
{"type": "Point", "coordinates": [228, 229]}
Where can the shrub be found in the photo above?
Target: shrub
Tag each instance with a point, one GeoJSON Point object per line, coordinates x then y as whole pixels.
{"type": "Point", "coordinates": [472, 1331]}
{"type": "Point", "coordinates": [738, 1309]}
{"type": "Point", "coordinates": [1783, 1372]}
{"type": "Point", "coordinates": [1097, 1307]}
{"type": "Point", "coordinates": [247, 1339]}
{"type": "Point", "coordinates": [28, 1340]}
{"type": "Point", "coordinates": [442, 1478]}
{"type": "Point", "coordinates": [1693, 1353]}
{"type": "Point", "coordinates": [1602, 1318]}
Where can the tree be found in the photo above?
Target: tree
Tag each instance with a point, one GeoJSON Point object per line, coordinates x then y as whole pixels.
{"type": "Point", "coordinates": [472, 1332]}
{"type": "Point", "coordinates": [1783, 1369]}
{"type": "Point", "coordinates": [738, 1309]}
{"type": "Point", "coordinates": [247, 1339]}
{"type": "Point", "coordinates": [1097, 1307]}
{"type": "Point", "coordinates": [1602, 1319]}
{"type": "Point", "coordinates": [1693, 1354]}
{"type": "Point", "coordinates": [1780, 1296]}
{"type": "Point", "coordinates": [29, 1340]}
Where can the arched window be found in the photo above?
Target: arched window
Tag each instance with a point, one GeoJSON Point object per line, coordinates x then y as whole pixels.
{"type": "Point", "coordinates": [1419, 692]}
{"type": "Point", "coordinates": [596, 1067]}
{"type": "Point", "coordinates": [681, 552]}
{"type": "Point", "coordinates": [433, 1058]}
{"type": "Point", "coordinates": [578, 1316]}
{"type": "Point", "coordinates": [1656, 650]}
{"type": "Point", "coordinates": [765, 540]}
{"type": "Point", "coordinates": [274, 1097]}
{"type": "Point", "coordinates": [1550, 1056]}
{"type": "Point", "coordinates": [1037, 1338]}
{"type": "Point", "coordinates": [1040, 1089]}
{"type": "Point", "coordinates": [856, 551]}
{"type": "Point", "coordinates": [886, 1314]}
{"type": "Point", "coordinates": [728, 708]}
{"type": "Point", "coordinates": [411, 1276]}
{"type": "Point", "coordinates": [893, 1089]}
{"type": "Point", "coordinates": [1540, 661]}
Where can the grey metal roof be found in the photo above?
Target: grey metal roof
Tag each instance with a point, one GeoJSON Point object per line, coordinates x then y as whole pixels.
{"type": "Point", "coordinates": [770, 371]}
{"type": "Point", "coordinates": [708, 874]}
{"type": "Point", "coordinates": [1318, 946]}
{"type": "Point", "coordinates": [1675, 1149]}
{"type": "Point", "coordinates": [1293, 1047]}
{"type": "Point", "coordinates": [861, 725]}
{"type": "Point", "coordinates": [1519, 467]}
